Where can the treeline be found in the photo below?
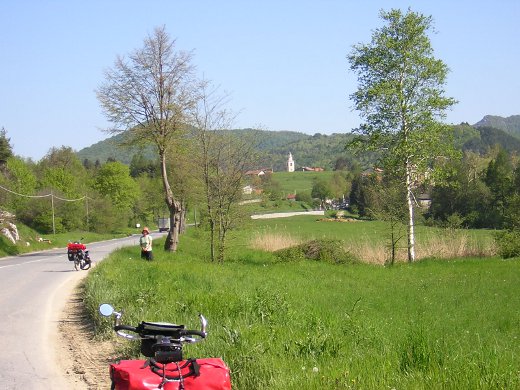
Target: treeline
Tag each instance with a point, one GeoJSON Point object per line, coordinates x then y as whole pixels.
{"type": "Point", "coordinates": [478, 192]}
{"type": "Point", "coordinates": [476, 197]}
{"type": "Point", "coordinates": [60, 193]}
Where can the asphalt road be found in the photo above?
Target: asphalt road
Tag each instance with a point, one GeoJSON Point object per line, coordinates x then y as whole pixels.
{"type": "Point", "coordinates": [33, 291]}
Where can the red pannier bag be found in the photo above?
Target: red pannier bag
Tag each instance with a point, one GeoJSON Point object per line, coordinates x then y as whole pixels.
{"type": "Point", "coordinates": [76, 247]}
{"type": "Point", "coordinates": [72, 248]}
{"type": "Point", "coordinates": [195, 374]}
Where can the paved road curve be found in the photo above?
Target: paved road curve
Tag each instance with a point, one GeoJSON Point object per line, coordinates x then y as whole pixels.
{"type": "Point", "coordinates": [33, 292]}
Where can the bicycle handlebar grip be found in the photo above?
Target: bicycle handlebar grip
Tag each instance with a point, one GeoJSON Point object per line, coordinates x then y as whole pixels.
{"type": "Point", "coordinates": [119, 330]}
{"type": "Point", "coordinates": [125, 327]}
{"type": "Point", "coordinates": [202, 335]}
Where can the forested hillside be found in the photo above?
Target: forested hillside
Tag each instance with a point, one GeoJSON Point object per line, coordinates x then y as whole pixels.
{"type": "Point", "coordinates": [111, 148]}
{"type": "Point", "coordinates": [510, 124]}
{"type": "Point", "coordinates": [319, 150]}
{"type": "Point", "coordinates": [273, 147]}
{"type": "Point", "coordinates": [482, 139]}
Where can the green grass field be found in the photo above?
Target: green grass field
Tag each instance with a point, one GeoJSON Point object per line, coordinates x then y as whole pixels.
{"type": "Point", "coordinates": [434, 324]}
{"type": "Point", "coordinates": [298, 182]}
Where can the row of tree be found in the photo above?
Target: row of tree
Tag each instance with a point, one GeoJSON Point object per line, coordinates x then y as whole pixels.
{"type": "Point", "coordinates": [477, 192]}
{"type": "Point", "coordinates": [59, 194]}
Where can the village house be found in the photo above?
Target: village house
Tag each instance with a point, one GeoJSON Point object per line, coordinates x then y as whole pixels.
{"type": "Point", "coordinates": [259, 172]}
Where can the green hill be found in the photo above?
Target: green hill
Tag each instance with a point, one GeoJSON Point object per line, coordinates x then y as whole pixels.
{"type": "Point", "coordinates": [322, 150]}
{"type": "Point", "coordinates": [481, 139]}
{"type": "Point", "coordinates": [273, 146]}
{"type": "Point", "coordinates": [111, 148]}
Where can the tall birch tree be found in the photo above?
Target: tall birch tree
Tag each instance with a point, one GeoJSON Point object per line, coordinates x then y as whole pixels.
{"type": "Point", "coordinates": [400, 98]}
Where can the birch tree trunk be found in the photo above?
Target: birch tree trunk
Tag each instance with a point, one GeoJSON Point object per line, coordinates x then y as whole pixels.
{"type": "Point", "coordinates": [411, 223]}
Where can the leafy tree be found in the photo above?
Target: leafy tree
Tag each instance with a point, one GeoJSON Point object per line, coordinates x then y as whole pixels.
{"type": "Point", "coordinates": [103, 216]}
{"type": "Point", "coordinates": [462, 194]}
{"type": "Point", "coordinates": [140, 165]}
{"type": "Point", "coordinates": [270, 186]}
{"type": "Point", "coordinates": [512, 217]}
{"type": "Point", "coordinates": [149, 96]}
{"type": "Point", "coordinates": [499, 179]}
{"type": "Point", "coordinates": [304, 197]}
{"type": "Point", "coordinates": [390, 207]}
{"type": "Point", "coordinates": [364, 194]}
{"type": "Point", "coordinates": [149, 207]}
{"type": "Point", "coordinates": [356, 195]}
{"type": "Point", "coordinates": [62, 174]}
{"type": "Point", "coordinates": [6, 150]}
{"type": "Point", "coordinates": [20, 179]}
{"type": "Point", "coordinates": [321, 189]}
{"type": "Point", "coordinates": [113, 180]}
{"type": "Point", "coordinates": [400, 97]}
{"type": "Point", "coordinates": [88, 164]}
{"type": "Point", "coordinates": [339, 185]}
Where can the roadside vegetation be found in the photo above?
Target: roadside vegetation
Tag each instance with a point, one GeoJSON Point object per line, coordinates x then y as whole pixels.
{"type": "Point", "coordinates": [292, 323]}
{"type": "Point", "coordinates": [33, 241]}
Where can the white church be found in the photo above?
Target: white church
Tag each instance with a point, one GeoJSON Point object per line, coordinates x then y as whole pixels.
{"type": "Point", "coordinates": [290, 163]}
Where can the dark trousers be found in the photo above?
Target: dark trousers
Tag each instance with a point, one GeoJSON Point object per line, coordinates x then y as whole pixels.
{"type": "Point", "coordinates": [147, 255]}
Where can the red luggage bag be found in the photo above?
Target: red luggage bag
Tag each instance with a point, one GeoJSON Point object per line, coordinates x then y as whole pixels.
{"type": "Point", "coordinates": [192, 374]}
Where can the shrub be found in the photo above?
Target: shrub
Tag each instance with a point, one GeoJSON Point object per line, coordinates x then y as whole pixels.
{"type": "Point", "coordinates": [293, 253]}
{"type": "Point", "coordinates": [329, 251]}
{"type": "Point", "coordinates": [508, 243]}
{"type": "Point", "coordinates": [7, 248]}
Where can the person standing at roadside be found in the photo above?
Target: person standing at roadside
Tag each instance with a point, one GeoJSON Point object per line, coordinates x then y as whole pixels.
{"type": "Point", "coordinates": [146, 245]}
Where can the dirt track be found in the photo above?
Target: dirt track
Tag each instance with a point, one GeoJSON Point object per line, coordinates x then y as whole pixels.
{"type": "Point", "coordinates": [83, 360]}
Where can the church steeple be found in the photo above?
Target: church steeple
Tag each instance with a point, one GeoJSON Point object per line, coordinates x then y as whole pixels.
{"type": "Point", "coordinates": [290, 163]}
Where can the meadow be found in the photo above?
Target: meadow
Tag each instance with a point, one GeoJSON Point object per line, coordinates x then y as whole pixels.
{"type": "Point", "coordinates": [298, 182]}
{"type": "Point", "coordinates": [448, 323]}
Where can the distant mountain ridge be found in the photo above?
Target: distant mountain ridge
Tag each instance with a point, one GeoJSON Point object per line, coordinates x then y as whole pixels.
{"type": "Point", "coordinates": [510, 124]}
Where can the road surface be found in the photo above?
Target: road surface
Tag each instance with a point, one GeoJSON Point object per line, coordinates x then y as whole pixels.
{"type": "Point", "coordinates": [33, 291]}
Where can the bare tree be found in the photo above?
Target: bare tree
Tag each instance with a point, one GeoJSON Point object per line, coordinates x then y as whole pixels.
{"type": "Point", "coordinates": [224, 159]}
{"type": "Point", "coordinates": [148, 96]}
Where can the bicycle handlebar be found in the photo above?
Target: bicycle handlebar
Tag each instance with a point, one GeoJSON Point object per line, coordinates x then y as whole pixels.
{"type": "Point", "coordinates": [120, 328]}
{"type": "Point", "coordinates": [148, 330]}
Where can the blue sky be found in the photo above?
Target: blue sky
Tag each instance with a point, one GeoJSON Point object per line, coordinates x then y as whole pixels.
{"type": "Point", "coordinates": [283, 62]}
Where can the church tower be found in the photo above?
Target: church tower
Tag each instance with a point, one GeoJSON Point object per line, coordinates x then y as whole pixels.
{"type": "Point", "coordinates": [290, 163]}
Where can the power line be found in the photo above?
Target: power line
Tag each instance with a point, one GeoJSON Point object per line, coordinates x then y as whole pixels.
{"type": "Point", "coordinates": [44, 196]}
{"type": "Point", "coordinates": [52, 201]}
{"type": "Point", "coordinates": [26, 196]}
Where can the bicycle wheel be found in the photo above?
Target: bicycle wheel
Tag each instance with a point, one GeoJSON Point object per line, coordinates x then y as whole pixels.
{"type": "Point", "coordinates": [85, 264]}
{"type": "Point", "coordinates": [76, 263]}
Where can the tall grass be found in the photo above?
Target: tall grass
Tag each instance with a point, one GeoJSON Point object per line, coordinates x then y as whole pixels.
{"type": "Point", "coordinates": [370, 243]}
{"type": "Point", "coordinates": [271, 242]}
{"type": "Point", "coordinates": [451, 324]}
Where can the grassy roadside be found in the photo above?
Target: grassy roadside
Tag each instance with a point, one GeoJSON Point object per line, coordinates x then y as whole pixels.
{"type": "Point", "coordinates": [32, 241]}
{"type": "Point", "coordinates": [447, 324]}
